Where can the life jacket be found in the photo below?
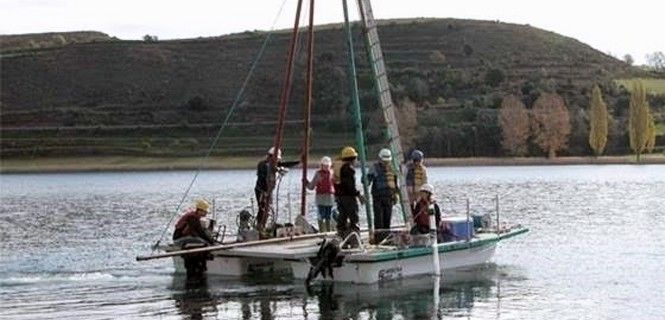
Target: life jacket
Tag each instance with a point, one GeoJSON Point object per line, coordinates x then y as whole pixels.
{"type": "Point", "coordinates": [421, 213]}
{"type": "Point", "coordinates": [383, 183]}
{"type": "Point", "coordinates": [416, 175]}
{"type": "Point", "coordinates": [325, 183]}
{"type": "Point", "coordinates": [419, 175]}
{"type": "Point", "coordinates": [337, 168]}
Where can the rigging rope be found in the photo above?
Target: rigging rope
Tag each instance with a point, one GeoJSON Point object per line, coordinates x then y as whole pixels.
{"type": "Point", "coordinates": [224, 123]}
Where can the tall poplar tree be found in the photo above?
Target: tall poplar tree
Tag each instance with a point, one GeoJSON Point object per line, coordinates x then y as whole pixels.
{"type": "Point", "coordinates": [598, 122]}
{"type": "Point", "coordinates": [651, 135]}
{"type": "Point", "coordinates": [639, 118]}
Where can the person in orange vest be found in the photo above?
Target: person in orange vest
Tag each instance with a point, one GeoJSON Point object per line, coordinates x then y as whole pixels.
{"type": "Point", "coordinates": [325, 193]}
{"type": "Point", "coordinates": [189, 228]}
{"type": "Point", "coordinates": [425, 205]}
{"type": "Point", "coordinates": [416, 175]}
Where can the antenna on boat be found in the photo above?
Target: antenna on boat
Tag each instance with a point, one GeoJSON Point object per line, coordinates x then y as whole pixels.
{"type": "Point", "coordinates": [360, 138]}
{"type": "Point", "coordinates": [231, 111]}
{"type": "Point", "coordinates": [264, 206]}
{"type": "Point", "coordinates": [382, 87]}
{"type": "Point", "coordinates": [308, 108]}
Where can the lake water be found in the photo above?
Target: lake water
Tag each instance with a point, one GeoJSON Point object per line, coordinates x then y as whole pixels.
{"type": "Point", "coordinates": [596, 249]}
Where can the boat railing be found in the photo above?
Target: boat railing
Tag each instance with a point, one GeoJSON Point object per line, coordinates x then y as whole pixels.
{"type": "Point", "coordinates": [353, 235]}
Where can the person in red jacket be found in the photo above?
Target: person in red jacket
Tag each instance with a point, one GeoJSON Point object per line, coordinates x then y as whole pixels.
{"type": "Point", "coordinates": [325, 193]}
{"type": "Point", "coordinates": [425, 205]}
{"type": "Point", "coordinates": [189, 228]}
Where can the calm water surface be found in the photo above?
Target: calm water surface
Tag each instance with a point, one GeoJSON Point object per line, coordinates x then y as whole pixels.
{"type": "Point", "coordinates": [596, 250]}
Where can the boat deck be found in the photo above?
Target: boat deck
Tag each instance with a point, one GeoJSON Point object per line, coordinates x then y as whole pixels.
{"type": "Point", "coordinates": [308, 248]}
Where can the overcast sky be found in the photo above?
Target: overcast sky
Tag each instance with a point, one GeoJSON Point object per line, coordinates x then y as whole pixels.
{"type": "Point", "coordinates": [635, 27]}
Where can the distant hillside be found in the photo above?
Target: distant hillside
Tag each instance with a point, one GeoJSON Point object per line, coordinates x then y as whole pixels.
{"type": "Point", "coordinates": [48, 40]}
{"type": "Point", "coordinates": [169, 97]}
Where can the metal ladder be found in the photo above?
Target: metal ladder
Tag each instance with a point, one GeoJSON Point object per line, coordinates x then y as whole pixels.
{"type": "Point", "coordinates": [386, 102]}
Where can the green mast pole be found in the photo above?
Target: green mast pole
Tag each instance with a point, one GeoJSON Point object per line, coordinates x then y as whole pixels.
{"type": "Point", "coordinates": [360, 139]}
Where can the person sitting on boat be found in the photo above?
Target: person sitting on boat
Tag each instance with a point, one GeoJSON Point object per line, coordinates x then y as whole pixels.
{"type": "Point", "coordinates": [325, 191]}
{"type": "Point", "coordinates": [383, 179]}
{"type": "Point", "coordinates": [425, 205]}
{"type": "Point", "coordinates": [189, 229]}
{"type": "Point", "coordinates": [416, 175]}
{"type": "Point", "coordinates": [347, 195]}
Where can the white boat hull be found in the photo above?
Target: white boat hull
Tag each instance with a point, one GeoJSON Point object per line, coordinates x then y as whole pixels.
{"type": "Point", "coordinates": [372, 272]}
{"type": "Point", "coordinates": [369, 265]}
{"type": "Point", "coordinates": [238, 266]}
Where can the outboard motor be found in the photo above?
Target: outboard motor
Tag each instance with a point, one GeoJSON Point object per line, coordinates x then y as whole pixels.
{"type": "Point", "coordinates": [327, 258]}
{"type": "Point", "coordinates": [244, 221]}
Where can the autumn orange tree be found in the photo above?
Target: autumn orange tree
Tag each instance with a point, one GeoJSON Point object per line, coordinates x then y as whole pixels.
{"type": "Point", "coordinates": [550, 123]}
{"type": "Point", "coordinates": [514, 122]}
{"type": "Point", "coordinates": [598, 122]}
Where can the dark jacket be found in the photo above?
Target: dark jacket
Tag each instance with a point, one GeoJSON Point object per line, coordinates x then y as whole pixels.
{"type": "Point", "coordinates": [264, 175]}
{"type": "Point", "coordinates": [190, 225]}
{"type": "Point", "coordinates": [347, 181]}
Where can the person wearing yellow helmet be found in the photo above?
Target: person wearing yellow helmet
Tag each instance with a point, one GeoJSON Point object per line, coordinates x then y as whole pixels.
{"type": "Point", "coordinates": [347, 195]}
{"type": "Point", "coordinates": [189, 227]}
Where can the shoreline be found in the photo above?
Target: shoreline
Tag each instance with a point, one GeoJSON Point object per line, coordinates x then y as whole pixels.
{"type": "Point", "coordinates": [129, 164]}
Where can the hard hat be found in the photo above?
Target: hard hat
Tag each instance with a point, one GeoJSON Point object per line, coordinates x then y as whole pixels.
{"type": "Point", "coordinates": [417, 155]}
{"type": "Point", "coordinates": [271, 152]}
{"type": "Point", "coordinates": [385, 155]}
{"type": "Point", "coordinates": [326, 161]}
{"type": "Point", "coordinates": [349, 152]}
{"type": "Point", "coordinates": [427, 188]}
{"type": "Point", "coordinates": [202, 204]}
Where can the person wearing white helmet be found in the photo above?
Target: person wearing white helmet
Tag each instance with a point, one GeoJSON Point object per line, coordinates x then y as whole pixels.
{"type": "Point", "coordinates": [189, 229]}
{"type": "Point", "coordinates": [266, 177]}
{"type": "Point", "coordinates": [325, 193]}
{"type": "Point", "coordinates": [416, 175]}
{"type": "Point", "coordinates": [425, 205]}
{"type": "Point", "coordinates": [383, 180]}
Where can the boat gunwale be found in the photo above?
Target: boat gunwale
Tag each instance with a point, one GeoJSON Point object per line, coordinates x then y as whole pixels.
{"type": "Point", "coordinates": [407, 253]}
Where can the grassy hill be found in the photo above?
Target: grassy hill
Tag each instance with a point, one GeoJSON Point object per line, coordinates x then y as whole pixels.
{"type": "Point", "coordinates": [105, 96]}
{"type": "Point", "coordinates": [19, 42]}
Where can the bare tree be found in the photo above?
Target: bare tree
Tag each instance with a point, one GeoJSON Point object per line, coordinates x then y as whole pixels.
{"type": "Point", "coordinates": [514, 122]}
{"type": "Point", "coordinates": [628, 59]}
{"type": "Point", "coordinates": [550, 123]}
{"type": "Point", "coordinates": [656, 61]}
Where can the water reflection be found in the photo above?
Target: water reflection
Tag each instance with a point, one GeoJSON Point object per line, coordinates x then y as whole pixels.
{"type": "Point", "coordinates": [414, 298]}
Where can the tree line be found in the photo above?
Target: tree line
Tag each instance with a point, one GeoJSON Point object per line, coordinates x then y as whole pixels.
{"type": "Point", "coordinates": [548, 123]}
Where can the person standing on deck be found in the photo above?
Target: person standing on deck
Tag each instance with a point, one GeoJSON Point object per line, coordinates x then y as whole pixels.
{"type": "Point", "coordinates": [425, 205]}
{"type": "Point", "coordinates": [383, 179]}
{"type": "Point", "coordinates": [416, 175]}
{"type": "Point", "coordinates": [189, 229]}
{"type": "Point", "coordinates": [266, 175]}
{"type": "Point", "coordinates": [325, 193]}
{"type": "Point", "coordinates": [347, 195]}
